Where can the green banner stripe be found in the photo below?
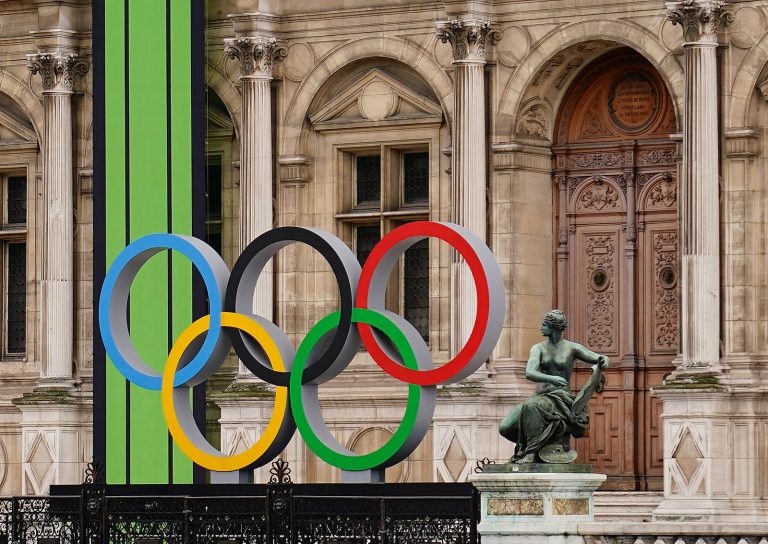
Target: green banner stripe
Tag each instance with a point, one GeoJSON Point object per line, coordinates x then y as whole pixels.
{"type": "Point", "coordinates": [114, 191]}
{"type": "Point", "coordinates": [181, 178]}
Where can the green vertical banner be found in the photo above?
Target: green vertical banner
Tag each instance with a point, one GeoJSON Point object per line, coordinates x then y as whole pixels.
{"type": "Point", "coordinates": [149, 178]}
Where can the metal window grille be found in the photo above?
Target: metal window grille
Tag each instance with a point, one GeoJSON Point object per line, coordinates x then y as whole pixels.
{"type": "Point", "coordinates": [17, 297]}
{"type": "Point", "coordinates": [213, 205]}
{"type": "Point", "coordinates": [415, 177]}
{"type": "Point", "coordinates": [16, 195]}
{"type": "Point", "coordinates": [367, 237]}
{"type": "Point", "coordinates": [368, 181]}
{"type": "Point", "coordinates": [416, 287]}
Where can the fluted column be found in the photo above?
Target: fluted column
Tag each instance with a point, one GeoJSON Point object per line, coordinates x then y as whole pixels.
{"type": "Point", "coordinates": [256, 55]}
{"type": "Point", "coordinates": [469, 39]}
{"type": "Point", "coordinates": [57, 71]}
{"type": "Point", "coordinates": [699, 202]}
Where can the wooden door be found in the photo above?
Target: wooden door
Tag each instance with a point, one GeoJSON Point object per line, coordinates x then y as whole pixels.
{"type": "Point", "coordinates": [616, 215]}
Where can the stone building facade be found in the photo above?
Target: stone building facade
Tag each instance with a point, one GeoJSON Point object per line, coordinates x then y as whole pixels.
{"type": "Point", "coordinates": [612, 155]}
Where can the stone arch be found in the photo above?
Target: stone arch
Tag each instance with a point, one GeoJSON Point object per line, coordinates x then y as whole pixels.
{"type": "Point", "coordinates": [744, 84]}
{"type": "Point", "coordinates": [229, 94]}
{"type": "Point", "coordinates": [26, 98]}
{"type": "Point", "coordinates": [642, 41]}
{"type": "Point", "coordinates": [409, 54]}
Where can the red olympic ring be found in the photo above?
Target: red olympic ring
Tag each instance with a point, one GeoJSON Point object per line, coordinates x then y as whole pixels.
{"type": "Point", "coordinates": [420, 230]}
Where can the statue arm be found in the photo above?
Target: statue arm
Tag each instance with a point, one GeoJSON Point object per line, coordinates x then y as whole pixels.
{"type": "Point", "coordinates": [589, 356]}
{"type": "Point", "coordinates": [533, 373]}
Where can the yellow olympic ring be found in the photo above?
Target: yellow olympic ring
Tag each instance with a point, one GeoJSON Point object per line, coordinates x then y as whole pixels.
{"type": "Point", "coordinates": [175, 401]}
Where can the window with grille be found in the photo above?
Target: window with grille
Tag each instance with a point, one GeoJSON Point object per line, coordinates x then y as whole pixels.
{"type": "Point", "coordinates": [13, 237]}
{"type": "Point", "coordinates": [367, 237]}
{"type": "Point", "coordinates": [386, 189]}
{"type": "Point", "coordinates": [368, 180]}
{"type": "Point", "coordinates": [416, 287]}
{"type": "Point", "coordinates": [213, 203]}
{"type": "Point", "coordinates": [416, 178]}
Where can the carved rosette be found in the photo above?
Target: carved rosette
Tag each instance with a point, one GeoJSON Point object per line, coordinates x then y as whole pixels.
{"type": "Point", "coordinates": [57, 70]}
{"type": "Point", "coordinates": [701, 20]}
{"type": "Point", "coordinates": [469, 38]}
{"type": "Point", "coordinates": [256, 54]}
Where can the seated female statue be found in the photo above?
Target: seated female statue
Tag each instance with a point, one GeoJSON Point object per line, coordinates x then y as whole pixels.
{"type": "Point", "coordinates": [542, 425]}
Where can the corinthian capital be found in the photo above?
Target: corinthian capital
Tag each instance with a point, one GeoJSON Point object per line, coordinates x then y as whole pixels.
{"type": "Point", "coordinates": [701, 20]}
{"type": "Point", "coordinates": [256, 54]}
{"type": "Point", "coordinates": [58, 70]}
{"type": "Point", "coordinates": [469, 37]}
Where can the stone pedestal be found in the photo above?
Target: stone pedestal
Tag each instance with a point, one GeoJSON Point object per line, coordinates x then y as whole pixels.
{"type": "Point", "coordinates": [56, 438]}
{"type": "Point", "coordinates": [534, 507]}
{"type": "Point", "coordinates": [715, 456]}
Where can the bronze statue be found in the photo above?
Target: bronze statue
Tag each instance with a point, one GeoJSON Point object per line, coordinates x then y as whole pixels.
{"type": "Point", "coordinates": [542, 425]}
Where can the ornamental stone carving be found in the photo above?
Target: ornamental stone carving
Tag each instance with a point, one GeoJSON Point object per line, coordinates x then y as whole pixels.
{"type": "Point", "coordinates": [57, 70]}
{"type": "Point", "coordinates": [469, 38]}
{"type": "Point", "coordinates": [257, 54]}
{"type": "Point", "coordinates": [701, 20]}
{"type": "Point", "coordinates": [534, 122]}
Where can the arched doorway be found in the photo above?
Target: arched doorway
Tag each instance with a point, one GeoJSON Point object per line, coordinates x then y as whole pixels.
{"type": "Point", "coordinates": [615, 170]}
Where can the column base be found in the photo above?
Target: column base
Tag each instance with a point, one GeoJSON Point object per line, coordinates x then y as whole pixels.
{"type": "Point", "coordinates": [534, 507]}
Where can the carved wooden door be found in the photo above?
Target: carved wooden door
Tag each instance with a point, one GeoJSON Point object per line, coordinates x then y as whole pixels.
{"type": "Point", "coordinates": [616, 212]}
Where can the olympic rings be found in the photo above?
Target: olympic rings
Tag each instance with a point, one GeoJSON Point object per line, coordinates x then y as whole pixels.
{"type": "Point", "coordinates": [326, 351]}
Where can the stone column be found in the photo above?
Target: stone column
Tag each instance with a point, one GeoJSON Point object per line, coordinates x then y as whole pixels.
{"type": "Point", "coordinates": [58, 71]}
{"type": "Point", "coordinates": [699, 202]}
{"type": "Point", "coordinates": [256, 55]}
{"type": "Point", "coordinates": [469, 39]}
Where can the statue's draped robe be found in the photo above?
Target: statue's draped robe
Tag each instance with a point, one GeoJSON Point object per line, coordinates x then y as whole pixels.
{"type": "Point", "coordinates": [547, 417]}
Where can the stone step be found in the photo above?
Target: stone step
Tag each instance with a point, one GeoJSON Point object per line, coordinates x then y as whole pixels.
{"type": "Point", "coordinates": [626, 505]}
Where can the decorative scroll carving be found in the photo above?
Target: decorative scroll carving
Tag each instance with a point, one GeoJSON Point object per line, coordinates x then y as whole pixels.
{"type": "Point", "coordinates": [256, 54]}
{"type": "Point", "coordinates": [534, 122]}
{"type": "Point", "coordinates": [701, 20]}
{"type": "Point", "coordinates": [665, 312]}
{"type": "Point", "coordinates": [598, 196]}
{"type": "Point", "coordinates": [656, 156]}
{"type": "Point", "coordinates": [57, 70]}
{"type": "Point", "coordinates": [595, 160]}
{"type": "Point", "coordinates": [663, 194]}
{"type": "Point", "coordinates": [469, 38]}
{"type": "Point", "coordinates": [601, 293]}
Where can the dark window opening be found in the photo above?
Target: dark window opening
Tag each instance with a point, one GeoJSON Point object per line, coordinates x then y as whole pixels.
{"type": "Point", "coordinates": [17, 297]}
{"type": "Point", "coordinates": [416, 287]}
{"type": "Point", "coordinates": [368, 181]}
{"type": "Point", "coordinates": [416, 178]}
{"type": "Point", "coordinates": [17, 200]}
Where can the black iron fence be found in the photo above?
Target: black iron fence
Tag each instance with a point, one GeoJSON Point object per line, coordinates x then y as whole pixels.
{"type": "Point", "coordinates": [254, 514]}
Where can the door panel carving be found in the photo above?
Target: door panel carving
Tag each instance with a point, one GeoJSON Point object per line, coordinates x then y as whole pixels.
{"type": "Point", "coordinates": [616, 214]}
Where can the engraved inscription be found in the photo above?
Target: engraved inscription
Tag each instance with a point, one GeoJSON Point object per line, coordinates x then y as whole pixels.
{"type": "Point", "coordinates": [633, 101]}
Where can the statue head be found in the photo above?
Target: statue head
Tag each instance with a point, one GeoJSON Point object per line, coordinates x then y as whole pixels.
{"type": "Point", "coordinates": [554, 321]}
